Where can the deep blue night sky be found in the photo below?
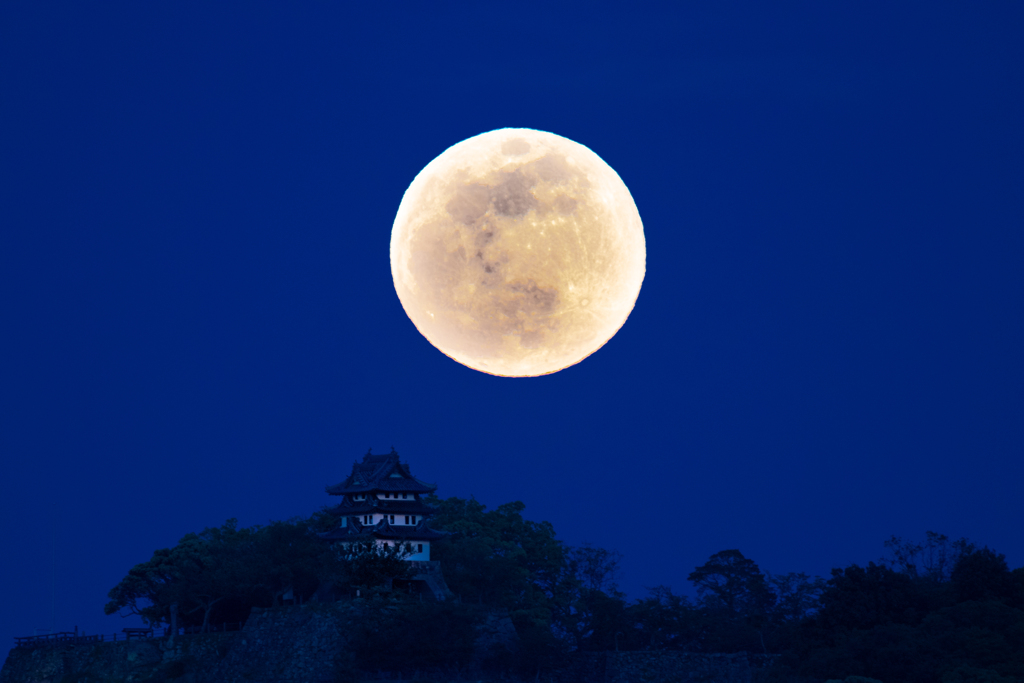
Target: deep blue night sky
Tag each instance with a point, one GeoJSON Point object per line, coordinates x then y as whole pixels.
{"type": "Point", "coordinates": [198, 322]}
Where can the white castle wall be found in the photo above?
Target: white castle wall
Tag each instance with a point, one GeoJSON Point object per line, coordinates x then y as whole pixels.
{"type": "Point", "coordinates": [399, 519]}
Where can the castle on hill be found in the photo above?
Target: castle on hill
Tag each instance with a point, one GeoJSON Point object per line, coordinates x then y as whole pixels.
{"type": "Point", "coordinates": [383, 501]}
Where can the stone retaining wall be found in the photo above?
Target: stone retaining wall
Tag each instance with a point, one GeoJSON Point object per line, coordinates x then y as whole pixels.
{"type": "Point", "coordinates": [127, 662]}
{"type": "Point", "coordinates": [662, 667]}
{"type": "Point", "coordinates": [283, 646]}
{"type": "Point", "coordinates": [307, 645]}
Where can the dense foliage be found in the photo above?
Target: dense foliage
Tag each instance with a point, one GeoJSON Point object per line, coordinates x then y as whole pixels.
{"type": "Point", "coordinates": [937, 611]}
{"type": "Point", "coordinates": [219, 574]}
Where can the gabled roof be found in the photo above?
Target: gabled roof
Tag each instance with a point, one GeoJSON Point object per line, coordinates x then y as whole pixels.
{"type": "Point", "coordinates": [380, 473]}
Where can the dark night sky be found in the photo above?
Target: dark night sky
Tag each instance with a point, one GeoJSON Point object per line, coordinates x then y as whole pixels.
{"type": "Point", "coordinates": [198, 322]}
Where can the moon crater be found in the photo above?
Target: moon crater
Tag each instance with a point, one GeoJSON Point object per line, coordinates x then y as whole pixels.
{"type": "Point", "coordinates": [518, 252]}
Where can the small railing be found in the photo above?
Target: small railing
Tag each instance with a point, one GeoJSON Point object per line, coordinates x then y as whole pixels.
{"type": "Point", "coordinates": [59, 638]}
{"type": "Point", "coordinates": [76, 638]}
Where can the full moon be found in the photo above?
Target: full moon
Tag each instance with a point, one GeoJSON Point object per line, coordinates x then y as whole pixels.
{"type": "Point", "coordinates": [518, 252]}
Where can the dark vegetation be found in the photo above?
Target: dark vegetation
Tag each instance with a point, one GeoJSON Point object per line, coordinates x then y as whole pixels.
{"type": "Point", "coordinates": [935, 611]}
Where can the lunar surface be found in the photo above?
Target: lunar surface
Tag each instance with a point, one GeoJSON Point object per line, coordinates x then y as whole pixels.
{"type": "Point", "coordinates": [518, 252]}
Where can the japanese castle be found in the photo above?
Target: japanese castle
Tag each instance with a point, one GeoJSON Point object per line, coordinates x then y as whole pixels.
{"type": "Point", "coordinates": [382, 500]}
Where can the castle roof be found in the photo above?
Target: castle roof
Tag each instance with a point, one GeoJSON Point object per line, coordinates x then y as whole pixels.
{"type": "Point", "coordinates": [380, 473]}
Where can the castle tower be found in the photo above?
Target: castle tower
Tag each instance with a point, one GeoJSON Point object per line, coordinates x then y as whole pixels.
{"type": "Point", "coordinates": [381, 499]}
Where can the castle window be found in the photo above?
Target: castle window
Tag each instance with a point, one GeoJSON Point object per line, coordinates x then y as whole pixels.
{"type": "Point", "coordinates": [392, 520]}
{"type": "Point", "coordinates": [419, 547]}
{"type": "Point", "coordinates": [414, 519]}
{"type": "Point", "coordinates": [404, 496]}
{"type": "Point", "coordinates": [387, 495]}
